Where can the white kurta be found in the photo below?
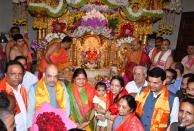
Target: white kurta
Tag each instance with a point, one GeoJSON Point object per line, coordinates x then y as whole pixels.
{"type": "Point", "coordinates": [20, 119]}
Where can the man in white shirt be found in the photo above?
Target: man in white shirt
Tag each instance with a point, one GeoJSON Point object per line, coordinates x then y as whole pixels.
{"type": "Point", "coordinates": [29, 79]}
{"type": "Point", "coordinates": [139, 75]}
{"type": "Point", "coordinates": [11, 84]}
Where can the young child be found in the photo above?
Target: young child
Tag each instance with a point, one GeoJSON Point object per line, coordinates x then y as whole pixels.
{"type": "Point", "coordinates": [101, 104]}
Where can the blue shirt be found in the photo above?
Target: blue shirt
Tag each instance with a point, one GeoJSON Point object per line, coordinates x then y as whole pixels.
{"type": "Point", "coordinates": [53, 101]}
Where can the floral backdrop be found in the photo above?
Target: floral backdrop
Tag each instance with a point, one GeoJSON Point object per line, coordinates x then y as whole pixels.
{"type": "Point", "coordinates": [113, 19]}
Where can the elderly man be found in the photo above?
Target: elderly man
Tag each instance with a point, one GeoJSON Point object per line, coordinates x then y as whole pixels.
{"type": "Point", "coordinates": [136, 56]}
{"type": "Point", "coordinates": [157, 107]}
{"type": "Point", "coordinates": [139, 75]}
{"type": "Point", "coordinates": [188, 61]}
{"type": "Point", "coordinates": [49, 89]}
{"type": "Point", "coordinates": [11, 84]}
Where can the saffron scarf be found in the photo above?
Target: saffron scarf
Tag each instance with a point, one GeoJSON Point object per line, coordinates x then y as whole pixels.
{"type": "Point", "coordinates": [161, 111]}
{"type": "Point", "coordinates": [4, 86]}
{"type": "Point", "coordinates": [42, 95]}
{"type": "Point", "coordinates": [81, 109]}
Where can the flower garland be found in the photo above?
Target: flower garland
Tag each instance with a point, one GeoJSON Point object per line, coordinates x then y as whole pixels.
{"type": "Point", "coordinates": [100, 8]}
{"type": "Point", "coordinates": [80, 31]}
{"type": "Point", "coordinates": [141, 13]}
{"type": "Point", "coordinates": [39, 25]}
{"type": "Point", "coordinates": [20, 22]}
{"type": "Point", "coordinates": [49, 37]}
{"type": "Point", "coordinates": [121, 41]}
{"type": "Point", "coordinates": [58, 26]}
{"type": "Point", "coordinates": [76, 3]}
{"type": "Point", "coordinates": [50, 121]}
{"type": "Point", "coordinates": [94, 22]}
{"type": "Point", "coordinates": [53, 12]}
{"type": "Point", "coordinates": [115, 3]}
{"type": "Point", "coordinates": [39, 46]}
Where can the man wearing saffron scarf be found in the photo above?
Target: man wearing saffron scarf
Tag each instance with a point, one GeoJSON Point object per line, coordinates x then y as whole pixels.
{"type": "Point", "coordinates": [11, 84]}
{"type": "Point", "coordinates": [49, 89]}
{"type": "Point", "coordinates": [156, 49]}
{"type": "Point", "coordinates": [188, 61]}
{"type": "Point", "coordinates": [136, 56]}
{"type": "Point", "coordinates": [157, 107]}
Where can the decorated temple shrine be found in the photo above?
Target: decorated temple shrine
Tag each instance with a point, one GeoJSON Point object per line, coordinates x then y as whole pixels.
{"type": "Point", "coordinates": [101, 29]}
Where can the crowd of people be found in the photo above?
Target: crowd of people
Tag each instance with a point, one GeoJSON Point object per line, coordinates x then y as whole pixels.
{"type": "Point", "coordinates": [154, 93]}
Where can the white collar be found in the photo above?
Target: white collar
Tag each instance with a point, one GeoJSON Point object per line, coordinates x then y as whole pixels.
{"type": "Point", "coordinates": [156, 95]}
{"type": "Point", "coordinates": [18, 89]}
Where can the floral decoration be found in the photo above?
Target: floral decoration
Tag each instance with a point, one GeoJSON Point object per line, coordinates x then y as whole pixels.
{"type": "Point", "coordinates": [100, 8]}
{"type": "Point", "coordinates": [20, 22]}
{"type": "Point", "coordinates": [49, 37]}
{"type": "Point", "coordinates": [76, 3]}
{"type": "Point", "coordinates": [121, 41]}
{"type": "Point", "coordinates": [53, 12]}
{"type": "Point", "coordinates": [39, 45]}
{"type": "Point", "coordinates": [135, 16]}
{"type": "Point", "coordinates": [94, 22]}
{"type": "Point", "coordinates": [126, 30]}
{"type": "Point", "coordinates": [50, 121]}
{"type": "Point", "coordinates": [39, 25]}
{"type": "Point", "coordinates": [116, 3]}
{"type": "Point", "coordinates": [58, 26]}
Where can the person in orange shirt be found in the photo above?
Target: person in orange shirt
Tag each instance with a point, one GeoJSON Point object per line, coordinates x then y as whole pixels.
{"type": "Point", "coordinates": [56, 54]}
{"type": "Point", "coordinates": [136, 56]}
{"type": "Point", "coordinates": [11, 84]}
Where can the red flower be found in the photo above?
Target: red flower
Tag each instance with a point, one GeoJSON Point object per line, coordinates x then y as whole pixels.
{"type": "Point", "coordinates": [126, 30]}
{"type": "Point", "coordinates": [49, 121]}
{"type": "Point", "coordinates": [58, 26]}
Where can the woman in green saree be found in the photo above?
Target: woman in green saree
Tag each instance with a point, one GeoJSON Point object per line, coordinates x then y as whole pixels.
{"type": "Point", "coordinates": [81, 94]}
